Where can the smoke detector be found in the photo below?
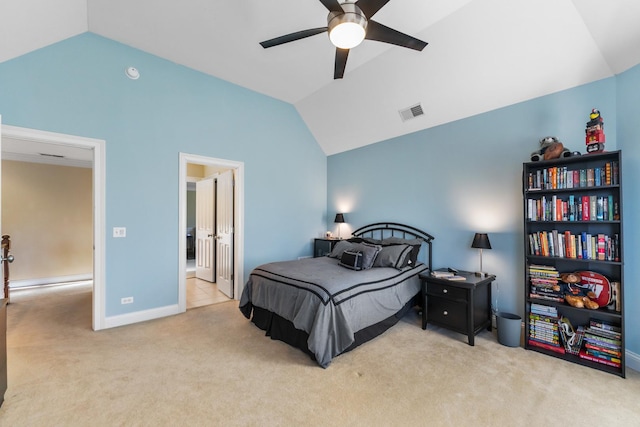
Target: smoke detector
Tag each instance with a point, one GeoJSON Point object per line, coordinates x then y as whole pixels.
{"type": "Point", "coordinates": [132, 73]}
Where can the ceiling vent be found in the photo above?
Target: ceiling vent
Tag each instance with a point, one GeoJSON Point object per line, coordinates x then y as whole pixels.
{"type": "Point", "coordinates": [411, 112]}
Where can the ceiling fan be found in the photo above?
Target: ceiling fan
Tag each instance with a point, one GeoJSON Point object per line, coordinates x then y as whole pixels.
{"type": "Point", "coordinates": [348, 24]}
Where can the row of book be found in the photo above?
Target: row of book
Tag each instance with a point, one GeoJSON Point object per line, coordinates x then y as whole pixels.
{"type": "Point", "coordinates": [543, 283]}
{"type": "Point", "coordinates": [602, 343]}
{"type": "Point", "coordinates": [448, 275]}
{"type": "Point", "coordinates": [560, 177]}
{"type": "Point", "coordinates": [598, 342]}
{"type": "Point", "coordinates": [601, 247]}
{"type": "Point", "coordinates": [544, 272]}
{"type": "Point", "coordinates": [543, 328]}
{"type": "Point", "coordinates": [573, 208]}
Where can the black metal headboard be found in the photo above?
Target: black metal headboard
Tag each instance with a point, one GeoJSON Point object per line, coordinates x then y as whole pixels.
{"type": "Point", "coordinates": [382, 230]}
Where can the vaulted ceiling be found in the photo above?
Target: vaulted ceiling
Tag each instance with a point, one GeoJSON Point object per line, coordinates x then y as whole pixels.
{"type": "Point", "coordinates": [482, 54]}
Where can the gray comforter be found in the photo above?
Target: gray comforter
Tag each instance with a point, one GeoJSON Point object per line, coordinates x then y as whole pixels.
{"type": "Point", "coordinates": [328, 301]}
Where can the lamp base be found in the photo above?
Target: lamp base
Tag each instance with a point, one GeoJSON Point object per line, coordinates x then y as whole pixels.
{"type": "Point", "coordinates": [481, 274]}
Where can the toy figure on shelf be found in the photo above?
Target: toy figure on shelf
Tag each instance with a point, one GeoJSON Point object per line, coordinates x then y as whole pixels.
{"type": "Point", "coordinates": [595, 133]}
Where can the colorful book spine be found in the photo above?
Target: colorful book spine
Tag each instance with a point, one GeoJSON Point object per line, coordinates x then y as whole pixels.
{"type": "Point", "coordinates": [585, 208]}
{"type": "Point", "coordinates": [583, 355]}
{"type": "Point", "coordinates": [557, 349]}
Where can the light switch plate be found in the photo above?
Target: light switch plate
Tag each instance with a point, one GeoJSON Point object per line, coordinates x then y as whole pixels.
{"type": "Point", "coordinates": [119, 231]}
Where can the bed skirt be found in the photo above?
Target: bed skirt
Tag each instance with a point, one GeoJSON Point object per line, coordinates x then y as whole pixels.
{"type": "Point", "coordinates": [279, 328]}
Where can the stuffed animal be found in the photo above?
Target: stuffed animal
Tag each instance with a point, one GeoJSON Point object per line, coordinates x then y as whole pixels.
{"type": "Point", "coordinates": [575, 297]}
{"type": "Point", "coordinates": [550, 148]}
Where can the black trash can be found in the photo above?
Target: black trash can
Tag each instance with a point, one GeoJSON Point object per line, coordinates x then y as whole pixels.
{"type": "Point", "coordinates": [509, 329]}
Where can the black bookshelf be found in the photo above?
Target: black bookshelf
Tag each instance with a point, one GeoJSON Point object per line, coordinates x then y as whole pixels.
{"type": "Point", "coordinates": [573, 223]}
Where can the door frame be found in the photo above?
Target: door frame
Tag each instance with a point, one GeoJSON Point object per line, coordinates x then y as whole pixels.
{"type": "Point", "coordinates": [238, 215]}
{"type": "Point", "coordinates": [99, 169]}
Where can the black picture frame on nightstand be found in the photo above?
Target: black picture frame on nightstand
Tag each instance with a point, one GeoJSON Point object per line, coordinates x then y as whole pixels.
{"type": "Point", "coordinates": [462, 306]}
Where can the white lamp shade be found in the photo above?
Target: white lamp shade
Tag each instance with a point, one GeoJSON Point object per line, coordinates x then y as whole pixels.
{"type": "Point", "coordinates": [347, 35]}
{"type": "Point", "coordinates": [347, 29]}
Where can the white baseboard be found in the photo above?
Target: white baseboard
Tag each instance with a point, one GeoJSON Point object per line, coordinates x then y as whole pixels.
{"type": "Point", "coordinates": [632, 360]}
{"type": "Point", "coordinates": [141, 316]}
{"type": "Point", "coordinates": [49, 280]}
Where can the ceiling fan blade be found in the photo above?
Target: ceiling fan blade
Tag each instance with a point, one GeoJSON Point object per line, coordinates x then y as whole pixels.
{"type": "Point", "coordinates": [292, 37]}
{"type": "Point", "coordinates": [370, 7]}
{"type": "Point", "coordinates": [381, 33]}
{"type": "Point", "coordinates": [341, 62]}
{"type": "Point", "coordinates": [333, 5]}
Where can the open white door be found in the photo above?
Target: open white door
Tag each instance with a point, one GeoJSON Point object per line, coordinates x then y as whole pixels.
{"type": "Point", "coordinates": [224, 233]}
{"type": "Point", "coordinates": [205, 222]}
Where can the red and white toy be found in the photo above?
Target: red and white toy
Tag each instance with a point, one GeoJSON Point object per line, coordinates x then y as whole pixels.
{"type": "Point", "coordinates": [595, 133]}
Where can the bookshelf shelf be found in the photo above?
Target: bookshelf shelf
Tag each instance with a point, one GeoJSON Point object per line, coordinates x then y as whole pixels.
{"type": "Point", "coordinates": [569, 223]}
{"type": "Point", "coordinates": [573, 224]}
{"type": "Point", "coordinates": [577, 260]}
{"type": "Point", "coordinates": [569, 190]}
{"type": "Point", "coordinates": [574, 311]}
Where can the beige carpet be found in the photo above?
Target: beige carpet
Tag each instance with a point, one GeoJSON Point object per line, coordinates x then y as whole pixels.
{"type": "Point", "coordinates": [211, 366]}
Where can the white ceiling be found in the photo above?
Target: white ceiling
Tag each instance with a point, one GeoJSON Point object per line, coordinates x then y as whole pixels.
{"type": "Point", "coordinates": [482, 54]}
{"type": "Point", "coordinates": [23, 150]}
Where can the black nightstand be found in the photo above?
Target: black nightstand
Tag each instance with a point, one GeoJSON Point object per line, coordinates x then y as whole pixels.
{"type": "Point", "coordinates": [322, 247]}
{"type": "Point", "coordinates": [461, 306]}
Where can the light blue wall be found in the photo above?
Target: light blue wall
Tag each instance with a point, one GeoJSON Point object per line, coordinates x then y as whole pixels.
{"type": "Point", "coordinates": [628, 92]}
{"type": "Point", "coordinates": [78, 87]}
{"type": "Point", "coordinates": [452, 180]}
{"type": "Point", "coordinates": [465, 177]}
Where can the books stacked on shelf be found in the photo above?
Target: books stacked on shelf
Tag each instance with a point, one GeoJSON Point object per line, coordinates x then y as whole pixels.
{"type": "Point", "coordinates": [602, 343]}
{"type": "Point", "coordinates": [554, 243]}
{"type": "Point", "coordinates": [573, 208]}
{"type": "Point", "coordinates": [560, 177]}
{"type": "Point", "coordinates": [448, 275]}
{"type": "Point", "coordinates": [543, 281]}
{"type": "Point", "coordinates": [543, 328]}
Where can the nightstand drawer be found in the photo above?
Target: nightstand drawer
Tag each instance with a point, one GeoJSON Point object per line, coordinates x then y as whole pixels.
{"type": "Point", "coordinates": [447, 313]}
{"type": "Point", "coordinates": [446, 291]}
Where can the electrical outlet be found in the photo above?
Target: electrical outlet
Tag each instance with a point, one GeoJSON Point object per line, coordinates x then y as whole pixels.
{"type": "Point", "coordinates": [119, 231]}
{"type": "Point", "coordinates": [126, 300]}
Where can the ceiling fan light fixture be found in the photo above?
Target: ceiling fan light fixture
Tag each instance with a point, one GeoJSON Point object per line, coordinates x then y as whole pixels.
{"type": "Point", "coordinates": [348, 29]}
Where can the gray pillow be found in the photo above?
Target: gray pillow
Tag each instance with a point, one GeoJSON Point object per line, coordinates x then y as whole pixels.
{"type": "Point", "coordinates": [369, 253]}
{"type": "Point", "coordinates": [340, 247]}
{"type": "Point", "coordinates": [396, 256]}
{"type": "Point", "coordinates": [416, 244]}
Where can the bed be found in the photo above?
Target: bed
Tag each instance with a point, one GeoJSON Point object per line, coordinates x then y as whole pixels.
{"type": "Point", "coordinates": [324, 308]}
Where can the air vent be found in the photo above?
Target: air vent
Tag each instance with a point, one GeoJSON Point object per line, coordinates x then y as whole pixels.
{"type": "Point", "coordinates": [411, 112]}
{"type": "Point", "coordinates": [52, 155]}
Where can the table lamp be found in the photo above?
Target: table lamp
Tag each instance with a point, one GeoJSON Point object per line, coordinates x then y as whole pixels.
{"type": "Point", "coordinates": [339, 219]}
{"type": "Point", "coordinates": [481, 241]}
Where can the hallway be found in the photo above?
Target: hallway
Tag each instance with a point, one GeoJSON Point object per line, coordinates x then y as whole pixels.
{"type": "Point", "coordinates": [201, 293]}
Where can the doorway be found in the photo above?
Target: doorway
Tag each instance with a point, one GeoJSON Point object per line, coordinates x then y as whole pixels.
{"type": "Point", "coordinates": [68, 143]}
{"type": "Point", "coordinates": [235, 273]}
